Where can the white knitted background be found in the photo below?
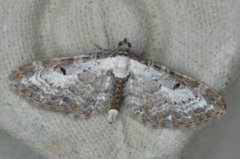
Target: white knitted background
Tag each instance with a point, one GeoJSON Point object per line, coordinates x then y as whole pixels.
{"type": "Point", "coordinates": [198, 38]}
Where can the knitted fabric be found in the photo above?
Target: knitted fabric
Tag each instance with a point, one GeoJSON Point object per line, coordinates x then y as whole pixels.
{"type": "Point", "coordinates": [198, 38]}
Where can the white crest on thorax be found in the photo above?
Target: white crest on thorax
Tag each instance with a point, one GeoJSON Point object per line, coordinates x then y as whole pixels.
{"type": "Point", "coordinates": [121, 68]}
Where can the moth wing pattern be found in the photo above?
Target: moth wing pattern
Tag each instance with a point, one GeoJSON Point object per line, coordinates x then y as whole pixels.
{"type": "Point", "coordinates": [84, 85]}
{"type": "Point", "coordinates": [79, 85]}
{"type": "Point", "coordinates": [162, 97]}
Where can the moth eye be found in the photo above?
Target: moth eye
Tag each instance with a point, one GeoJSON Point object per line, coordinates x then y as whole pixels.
{"type": "Point", "coordinates": [129, 45]}
{"type": "Point", "coordinates": [63, 70]}
{"type": "Point", "coordinates": [176, 86]}
{"type": "Point", "coordinates": [120, 43]}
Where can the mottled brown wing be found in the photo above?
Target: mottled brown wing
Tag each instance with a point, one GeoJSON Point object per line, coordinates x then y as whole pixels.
{"type": "Point", "coordinates": [162, 97]}
{"type": "Point", "coordinates": [79, 85]}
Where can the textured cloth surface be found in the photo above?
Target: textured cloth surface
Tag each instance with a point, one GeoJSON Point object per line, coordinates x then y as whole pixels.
{"type": "Point", "coordinates": [198, 38]}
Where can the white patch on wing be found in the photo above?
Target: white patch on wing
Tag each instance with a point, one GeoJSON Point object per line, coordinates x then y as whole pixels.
{"type": "Point", "coordinates": [156, 87]}
{"type": "Point", "coordinates": [50, 79]}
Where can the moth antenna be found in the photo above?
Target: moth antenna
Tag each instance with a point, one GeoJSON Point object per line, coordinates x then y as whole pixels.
{"type": "Point", "coordinates": [99, 47]}
{"type": "Point", "coordinates": [112, 115]}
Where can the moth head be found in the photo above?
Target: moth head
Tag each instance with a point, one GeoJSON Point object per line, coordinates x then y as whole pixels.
{"type": "Point", "coordinates": [124, 47]}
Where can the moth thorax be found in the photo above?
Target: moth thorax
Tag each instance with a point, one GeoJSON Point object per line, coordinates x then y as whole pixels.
{"type": "Point", "coordinates": [120, 69]}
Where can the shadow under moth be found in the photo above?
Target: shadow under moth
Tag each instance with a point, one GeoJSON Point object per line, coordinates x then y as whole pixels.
{"type": "Point", "coordinates": [106, 82]}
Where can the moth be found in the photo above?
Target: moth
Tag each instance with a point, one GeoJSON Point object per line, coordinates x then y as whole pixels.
{"type": "Point", "coordinates": [105, 82]}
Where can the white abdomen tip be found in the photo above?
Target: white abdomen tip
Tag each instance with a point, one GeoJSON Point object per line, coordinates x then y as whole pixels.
{"type": "Point", "coordinates": [112, 115]}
